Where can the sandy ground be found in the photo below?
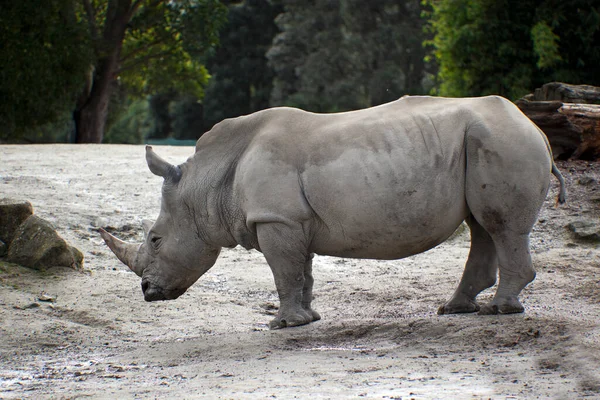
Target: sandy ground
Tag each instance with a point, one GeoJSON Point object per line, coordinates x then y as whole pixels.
{"type": "Point", "coordinates": [380, 336]}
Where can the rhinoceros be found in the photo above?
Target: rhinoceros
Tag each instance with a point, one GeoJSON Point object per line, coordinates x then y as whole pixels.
{"type": "Point", "coordinates": [384, 183]}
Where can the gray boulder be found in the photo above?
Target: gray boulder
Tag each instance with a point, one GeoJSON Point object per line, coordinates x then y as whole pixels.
{"type": "Point", "coordinates": [37, 245]}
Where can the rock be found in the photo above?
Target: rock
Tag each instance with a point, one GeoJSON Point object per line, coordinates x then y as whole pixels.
{"type": "Point", "coordinates": [37, 245]}
{"type": "Point", "coordinates": [585, 230]}
{"type": "Point", "coordinates": [12, 214]}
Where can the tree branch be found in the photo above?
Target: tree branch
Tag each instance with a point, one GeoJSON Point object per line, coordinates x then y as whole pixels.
{"type": "Point", "coordinates": [143, 60]}
{"type": "Point", "coordinates": [91, 17]}
{"type": "Point", "coordinates": [137, 4]}
{"type": "Point", "coordinates": [138, 50]}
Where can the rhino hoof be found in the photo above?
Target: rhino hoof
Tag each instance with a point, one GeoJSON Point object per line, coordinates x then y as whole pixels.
{"type": "Point", "coordinates": [489, 310]}
{"type": "Point", "coordinates": [316, 316]}
{"type": "Point", "coordinates": [509, 307]}
{"type": "Point", "coordinates": [458, 308]}
{"type": "Point", "coordinates": [277, 324]}
{"type": "Point", "coordinates": [303, 318]}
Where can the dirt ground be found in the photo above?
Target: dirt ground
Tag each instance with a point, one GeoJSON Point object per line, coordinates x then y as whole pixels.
{"type": "Point", "coordinates": [380, 336]}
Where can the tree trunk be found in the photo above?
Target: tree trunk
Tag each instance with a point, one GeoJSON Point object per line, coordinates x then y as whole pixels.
{"type": "Point", "coordinates": [90, 119]}
{"type": "Point", "coordinates": [92, 108]}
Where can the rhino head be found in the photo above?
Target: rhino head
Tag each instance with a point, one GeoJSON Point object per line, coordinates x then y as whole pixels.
{"type": "Point", "coordinates": [173, 255]}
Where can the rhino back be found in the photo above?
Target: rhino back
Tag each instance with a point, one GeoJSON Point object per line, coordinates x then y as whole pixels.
{"type": "Point", "coordinates": [359, 181]}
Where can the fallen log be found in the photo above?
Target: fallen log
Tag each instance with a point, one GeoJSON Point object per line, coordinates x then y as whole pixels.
{"type": "Point", "coordinates": [573, 129]}
{"type": "Point", "coordinates": [566, 93]}
{"type": "Point", "coordinates": [587, 118]}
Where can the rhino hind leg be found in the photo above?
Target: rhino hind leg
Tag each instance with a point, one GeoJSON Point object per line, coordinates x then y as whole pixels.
{"type": "Point", "coordinates": [480, 272]}
{"type": "Point", "coordinates": [516, 271]}
{"type": "Point", "coordinates": [307, 289]}
{"type": "Point", "coordinates": [286, 253]}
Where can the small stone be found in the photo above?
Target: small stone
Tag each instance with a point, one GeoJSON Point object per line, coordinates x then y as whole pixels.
{"type": "Point", "coordinates": [28, 306]}
{"type": "Point", "coordinates": [46, 298]}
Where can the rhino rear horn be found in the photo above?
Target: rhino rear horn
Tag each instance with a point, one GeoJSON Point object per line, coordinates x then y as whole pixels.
{"type": "Point", "coordinates": [160, 167]}
{"type": "Point", "coordinates": [147, 225]}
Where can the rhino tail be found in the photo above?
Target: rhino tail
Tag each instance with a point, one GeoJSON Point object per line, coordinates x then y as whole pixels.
{"type": "Point", "coordinates": [562, 195]}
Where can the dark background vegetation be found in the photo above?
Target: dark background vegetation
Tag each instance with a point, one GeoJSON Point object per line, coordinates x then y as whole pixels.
{"type": "Point", "coordinates": [128, 71]}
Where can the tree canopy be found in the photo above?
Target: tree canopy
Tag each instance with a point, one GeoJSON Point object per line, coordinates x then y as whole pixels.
{"type": "Point", "coordinates": [241, 80]}
{"type": "Point", "coordinates": [153, 68]}
{"type": "Point", "coordinates": [510, 47]}
{"type": "Point", "coordinates": [334, 55]}
{"type": "Point", "coordinates": [44, 57]}
{"type": "Point", "coordinates": [72, 54]}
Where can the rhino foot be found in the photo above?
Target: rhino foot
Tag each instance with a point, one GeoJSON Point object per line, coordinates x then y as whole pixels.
{"type": "Point", "coordinates": [507, 307]}
{"type": "Point", "coordinates": [294, 319]}
{"type": "Point", "coordinates": [459, 303]}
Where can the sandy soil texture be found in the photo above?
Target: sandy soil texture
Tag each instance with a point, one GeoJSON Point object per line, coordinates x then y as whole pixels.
{"type": "Point", "coordinates": [69, 334]}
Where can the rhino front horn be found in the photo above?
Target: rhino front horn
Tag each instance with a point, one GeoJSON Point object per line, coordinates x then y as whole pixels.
{"type": "Point", "coordinates": [126, 252]}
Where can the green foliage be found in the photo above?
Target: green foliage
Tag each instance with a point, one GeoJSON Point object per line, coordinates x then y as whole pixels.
{"type": "Point", "coordinates": [576, 23]}
{"type": "Point", "coordinates": [132, 126]}
{"type": "Point", "coordinates": [44, 57]}
{"type": "Point", "coordinates": [241, 80]}
{"type": "Point", "coordinates": [478, 45]}
{"type": "Point", "coordinates": [335, 55]}
{"type": "Point", "coordinates": [177, 116]}
{"type": "Point", "coordinates": [161, 117]}
{"type": "Point", "coordinates": [62, 56]}
{"type": "Point", "coordinates": [60, 130]}
{"type": "Point", "coordinates": [187, 121]}
{"type": "Point", "coordinates": [545, 45]}
{"type": "Point", "coordinates": [163, 43]}
{"type": "Point", "coordinates": [509, 47]}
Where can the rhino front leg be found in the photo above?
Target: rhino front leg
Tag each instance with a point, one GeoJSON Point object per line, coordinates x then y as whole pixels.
{"type": "Point", "coordinates": [286, 253]}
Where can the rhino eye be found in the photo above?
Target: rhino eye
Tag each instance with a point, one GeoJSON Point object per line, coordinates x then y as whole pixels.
{"type": "Point", "coordinates": [155, 241]}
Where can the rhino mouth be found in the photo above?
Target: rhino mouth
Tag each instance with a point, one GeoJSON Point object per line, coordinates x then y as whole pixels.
{"type": "Point", "coordinates": [155, 293]}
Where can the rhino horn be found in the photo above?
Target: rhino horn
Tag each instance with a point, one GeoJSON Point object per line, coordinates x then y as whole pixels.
{"type": "Point", "coordinates": [160, 167]}
{"type": "Point", "coordinates": [126, 252]}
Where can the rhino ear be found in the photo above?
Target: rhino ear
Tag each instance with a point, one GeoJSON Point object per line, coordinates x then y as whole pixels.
{"type": "Point", "coordinates": [160, 167]}
{"type": "Point", "coordinates": [147, 225]}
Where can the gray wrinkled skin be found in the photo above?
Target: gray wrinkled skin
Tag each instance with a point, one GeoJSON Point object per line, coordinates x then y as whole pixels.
{"type": "Point", "coordinates": [382, 183]}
